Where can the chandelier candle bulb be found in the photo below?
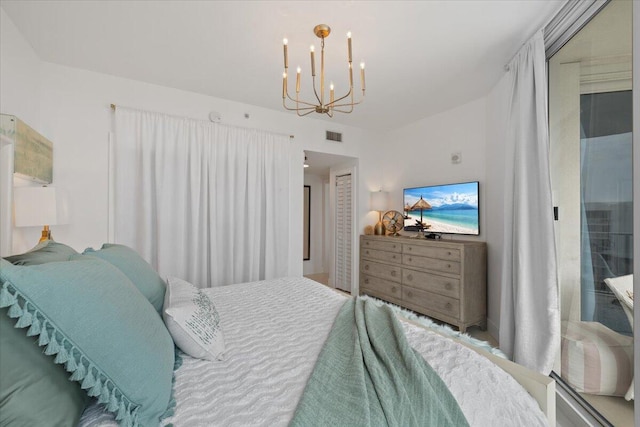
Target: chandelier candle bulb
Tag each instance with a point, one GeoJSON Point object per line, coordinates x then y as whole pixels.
{"type": "Point", "coordinates": [349, 42]}
{"type": "Point", "coordinates": [362, 76]}
{"type": "Point", "coordinates": [286, 59]}
{"type": "Point", "coordinates": [313, 62]}
{"type": "Point", "coordinates": [298, 80]}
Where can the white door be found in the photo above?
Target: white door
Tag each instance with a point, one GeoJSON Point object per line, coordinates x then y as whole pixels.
{"type": "Point", "coordinates": [344, 232]}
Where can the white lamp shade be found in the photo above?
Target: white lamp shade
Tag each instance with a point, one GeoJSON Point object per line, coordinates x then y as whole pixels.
{"type": "Point", "coordinates": [35, 206]}
{"type": "Point", "coordinates": [379, 200]}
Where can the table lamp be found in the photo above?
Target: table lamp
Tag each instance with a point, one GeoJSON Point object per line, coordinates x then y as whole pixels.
{"type": "Point", "coordinates": [378, 203]}
{"type": "Point", "coordinates": [35, 206]}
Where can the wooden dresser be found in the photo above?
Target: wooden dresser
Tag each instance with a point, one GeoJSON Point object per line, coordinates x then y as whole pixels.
{"type": "Point", "coordinates": [443, 279]}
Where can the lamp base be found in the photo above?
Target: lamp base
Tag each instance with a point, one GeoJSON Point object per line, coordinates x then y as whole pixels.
{"type": "Point", "coordinates": [379, 229]}
{"type": "Point", "coordinates": [46, 234]}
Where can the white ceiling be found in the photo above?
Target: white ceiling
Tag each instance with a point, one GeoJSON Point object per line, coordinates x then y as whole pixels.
{"type": "Point", "coordinates": [321, 163]}
{"type": "Point", "coordinates": [422, 57]}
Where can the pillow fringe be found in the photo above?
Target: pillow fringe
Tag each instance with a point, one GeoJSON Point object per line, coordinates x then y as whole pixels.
{"type": "Point", "coordinates": [171, 407]}
{"type": "Point", "coordinates": [35, 327]}
{"type": "Point", "coordinates": [98, 384]}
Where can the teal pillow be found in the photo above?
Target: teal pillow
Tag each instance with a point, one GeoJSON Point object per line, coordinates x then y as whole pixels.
{"type": "Point", "coordinates": [93, 319]}
{"type": "Point", "coordinates": [47, 251]}
{"type": "Point", "coordinates": [136, 269]}
{"type": "Point", "coordinates": [34, 391]}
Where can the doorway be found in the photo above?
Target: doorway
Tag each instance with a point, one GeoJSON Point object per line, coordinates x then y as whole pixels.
{"type": "Point", "coordinates": [332, 180]}
{"type": "Point", "coordinates": [590, 118]}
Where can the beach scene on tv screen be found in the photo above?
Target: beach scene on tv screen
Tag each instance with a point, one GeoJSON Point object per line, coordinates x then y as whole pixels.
{"type": "Point", "coordinates": [449, 208]}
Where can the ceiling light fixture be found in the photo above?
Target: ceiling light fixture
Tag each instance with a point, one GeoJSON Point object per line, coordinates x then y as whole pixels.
{"type": "Point", "coordinates": [306, 165]}
{"type": "Point", "coordinates": [303, 108]}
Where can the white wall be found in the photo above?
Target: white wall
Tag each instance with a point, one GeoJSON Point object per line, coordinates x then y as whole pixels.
{"type": "Point", "coordinates": [420, 153]}
{"type": "Point", "coordinates": [19, 75]}
{"type": "Point", "coordinates": [19, 96]}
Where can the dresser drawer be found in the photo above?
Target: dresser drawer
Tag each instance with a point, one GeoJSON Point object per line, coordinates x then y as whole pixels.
{"type": "Point", "coordinates": [431, 282]}
{"type": "Point", "coordinates": [382, 255]}
{"type": "Point", "coordinates": [382, 246]}
{"type": "Point", "coordinates": [431, 302]}
{"type": "Point", "coordinates": [431, 264]}
{"type": "Point", "coordinates": [431, 252]}
{"type": "Point", "coordinates": [380, 286]}
{"type": "Point", "coordinates": [384, 271]}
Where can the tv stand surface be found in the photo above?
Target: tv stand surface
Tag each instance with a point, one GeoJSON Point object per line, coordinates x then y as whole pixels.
{"type": "Point", "coordinates": [443, 279]}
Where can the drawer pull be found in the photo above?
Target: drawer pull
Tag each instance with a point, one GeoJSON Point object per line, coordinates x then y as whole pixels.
{"type": "Point", "coordinates": [410, 259]}
{"type": "Point", "coordinates": [448, 286]}
{"type": "Point", "coordinates": [410, 277]}
{"type": "Point", "coordinates": [394, 257]}
{"type": "Point", "coordinates": [393, 289]}
{"type": "Point", "coordinates": [449, 253]}
{"type": "Point", "coordinates": [366, 281]}
{"type": "Point", "coordinates": [366, 267]}
{"type": "Point", "coordinates": [393, 273]}
{"type": "Point", "coordinates": [409, 294]}
{"type": "Point", "coordinates": [367, 243]}
{"type": "Point", "coordinates": [394, 246]}
{"type": "Point", "coordinates": [448, 265]}
{"type": "Point", "coordinates": [368, 252]}
{"type": "Point", "coordinates": [448, 306]}
{"type": "Point", "coordinates": [410, 248]}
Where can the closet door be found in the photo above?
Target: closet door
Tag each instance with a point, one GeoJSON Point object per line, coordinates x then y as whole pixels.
{"type": "Point", "coordinates": [343, 236]}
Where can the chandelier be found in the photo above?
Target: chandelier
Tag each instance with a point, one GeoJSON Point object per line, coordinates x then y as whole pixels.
{"type": "Point", "coordinates": [322, 105]}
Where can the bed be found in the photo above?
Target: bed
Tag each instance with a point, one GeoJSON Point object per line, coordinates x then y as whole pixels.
{"type": "Point", "coordinates": [274, 331]}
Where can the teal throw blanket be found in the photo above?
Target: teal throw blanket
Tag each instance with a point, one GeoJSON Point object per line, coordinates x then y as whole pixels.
{"type": "Point", "coordinates": [367, 374]}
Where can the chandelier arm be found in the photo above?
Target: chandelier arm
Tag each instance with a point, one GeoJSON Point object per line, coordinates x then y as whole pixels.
{"type": "Point", "coordinates": [305, 114]}
{"type": "Point", "coordinates": [350, 108]}
{"type": "Point", "coordinates": [315, 91]}
{"type": "Point", "coordinates": [297, 101]}
{"type": "Point", "coordinates": [296, 108]}
{"type": "Point", "coordinates": [348, 104]}
{"type": "Point", "coordinates": [337, 107]}
{"type": "Point", "coordinates": [344, 111]}
{"type": "Point", "coordinates": [300, 102]}
{"type": "Point", "coordinates": [340, 99]}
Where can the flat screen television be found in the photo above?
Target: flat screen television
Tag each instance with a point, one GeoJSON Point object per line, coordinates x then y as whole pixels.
{"type": "Point", "coordinates": [443, 209]}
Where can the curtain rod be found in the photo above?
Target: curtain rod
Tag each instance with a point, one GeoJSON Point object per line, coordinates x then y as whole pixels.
{"type": "Point", "coordinates": [113, 108]}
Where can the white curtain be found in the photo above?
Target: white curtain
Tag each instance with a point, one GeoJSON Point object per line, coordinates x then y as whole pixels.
{"type": "Point", "coordinates": [529, 315]}
{"type": "Point", "coordinates": [205, 202]}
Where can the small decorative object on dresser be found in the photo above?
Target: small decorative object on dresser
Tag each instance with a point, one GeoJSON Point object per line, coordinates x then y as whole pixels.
{"type": "Point", "coordinates": [443, 279]}
{"type": "Point", "coordinates": [368, 230]}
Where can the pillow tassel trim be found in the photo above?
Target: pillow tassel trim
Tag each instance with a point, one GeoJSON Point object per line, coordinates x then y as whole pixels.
{"type": "Point", "coordinates": [171, 407]}
{"type": "Point", "coordinates": [82, 370]}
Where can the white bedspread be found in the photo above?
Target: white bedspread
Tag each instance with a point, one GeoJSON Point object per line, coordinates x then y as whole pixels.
{"type": "Point", "coordinates": [274, 331]}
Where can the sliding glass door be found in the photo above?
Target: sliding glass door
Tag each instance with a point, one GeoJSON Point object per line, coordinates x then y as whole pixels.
{"type": "Point", "coordinates": [590, 116]}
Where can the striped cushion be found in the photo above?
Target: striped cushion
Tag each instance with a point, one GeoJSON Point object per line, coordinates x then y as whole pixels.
{"type": "Point", "coordinates": [595, 359]}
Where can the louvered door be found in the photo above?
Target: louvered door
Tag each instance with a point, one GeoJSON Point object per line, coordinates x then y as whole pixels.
{"type": "Point", "coordinates": [343, 236]}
